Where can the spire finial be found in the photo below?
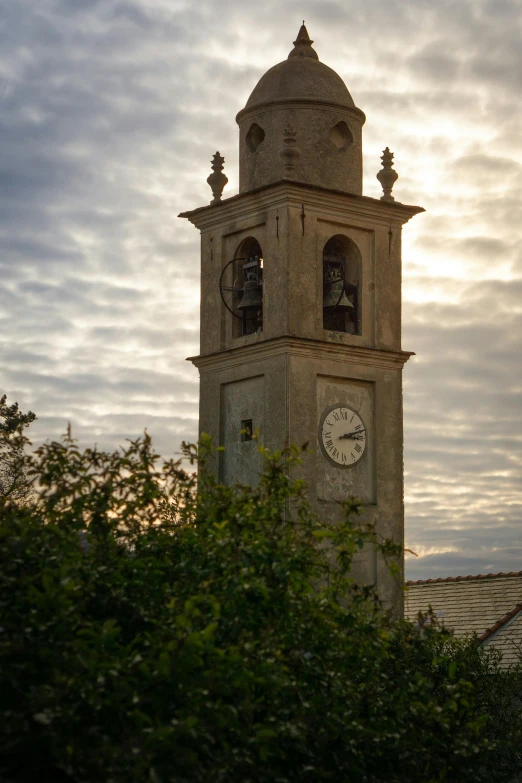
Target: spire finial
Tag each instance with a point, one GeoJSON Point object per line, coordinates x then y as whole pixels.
{"type": "Point", "coordinates": [303, 45]}
{"type": "Point", "coordinates": [387, 176]}
{"type": "Point", "coordinates": [217, 179]}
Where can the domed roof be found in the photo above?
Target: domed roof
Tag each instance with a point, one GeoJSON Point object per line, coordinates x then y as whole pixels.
{"type": "Point", "coordinates": [301, 77]}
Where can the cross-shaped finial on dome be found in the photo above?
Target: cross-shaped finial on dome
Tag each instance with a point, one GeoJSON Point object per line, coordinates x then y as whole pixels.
{"type": "Point", "coordinates": [303, 45]}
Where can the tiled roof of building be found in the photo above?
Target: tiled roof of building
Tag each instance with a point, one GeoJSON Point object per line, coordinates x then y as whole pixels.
{"type": "Point", "coordinates": [507, 637]}
{"type": "Point", "coordinates": [489, 605]}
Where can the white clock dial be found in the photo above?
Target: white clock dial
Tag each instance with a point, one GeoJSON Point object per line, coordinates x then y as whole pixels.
{"type": "Point", "coordinates": [342, 435]}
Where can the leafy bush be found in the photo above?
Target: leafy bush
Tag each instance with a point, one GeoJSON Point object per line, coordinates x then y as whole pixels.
{"type": "Point", "coordinates": [13, 479]}
{"type": "Point", "coordinates": [157, 630]}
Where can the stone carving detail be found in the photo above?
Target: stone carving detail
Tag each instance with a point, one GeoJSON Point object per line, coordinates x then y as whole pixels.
{"type": "Point", "coordinates": [289, 153]}
{"type": "Point", "coordinates": [217, 180]}
{"type": "Point", "coordinates": [387, 176]}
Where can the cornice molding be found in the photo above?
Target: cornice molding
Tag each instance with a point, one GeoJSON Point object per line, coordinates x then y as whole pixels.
{"type": "Point", "coordinates": [299, 346]}
{"type": "Point", "coordinates": [289, 192]}
{"type": "Point", "coordinates": [288, 103]}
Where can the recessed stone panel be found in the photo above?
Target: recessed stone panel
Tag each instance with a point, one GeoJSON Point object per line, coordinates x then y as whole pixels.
{"type": "Point", "coordinates": [242, 401]}
{"type": "Point", "coordinates": [338, 483]}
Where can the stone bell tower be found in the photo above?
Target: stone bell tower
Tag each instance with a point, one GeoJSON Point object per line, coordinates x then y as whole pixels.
{"type": "Point", "coordinates": [301, 301]}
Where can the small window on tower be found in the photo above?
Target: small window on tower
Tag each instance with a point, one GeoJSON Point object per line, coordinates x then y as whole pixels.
{"type": "Point", "coordinates": [254, 137]}
{"type": "Point", "coordinates": [247, 430]}
{"type": "Point", "coordinates": [341, 136]}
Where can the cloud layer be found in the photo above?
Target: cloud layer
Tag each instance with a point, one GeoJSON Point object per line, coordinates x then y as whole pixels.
{"type": "Point", "coordinates": [112, 111]}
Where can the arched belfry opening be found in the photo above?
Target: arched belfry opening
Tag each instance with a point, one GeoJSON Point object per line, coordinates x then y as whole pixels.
{"type": "Point", "coordinates": [342, 285]}
{"type": "Point", "coordinates": [248, 285]}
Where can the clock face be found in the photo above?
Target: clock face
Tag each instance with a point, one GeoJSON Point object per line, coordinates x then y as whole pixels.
{"type": "Point", "coordinates": [342, 435]}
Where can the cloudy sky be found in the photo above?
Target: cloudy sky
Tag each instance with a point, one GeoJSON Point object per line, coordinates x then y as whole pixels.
{"type": "Point", "coordinates": [110, 113]}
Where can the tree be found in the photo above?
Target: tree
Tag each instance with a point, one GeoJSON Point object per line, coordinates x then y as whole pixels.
{"type": "Point", "coordinates": [158, 630]}
{"type": "Point", "coordinates": [13, 479]}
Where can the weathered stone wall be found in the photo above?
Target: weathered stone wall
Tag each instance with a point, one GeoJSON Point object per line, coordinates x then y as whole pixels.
{"type": "Point", "coordinates": [329, 140]}
{"type": "Point", "coordinates": [284, 377]}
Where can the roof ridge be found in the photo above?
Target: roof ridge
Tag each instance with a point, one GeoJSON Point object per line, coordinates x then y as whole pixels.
{"type": "Point", "coordinates": [468, 578]}
{"type": "Point", "coordinates": [503, 620]}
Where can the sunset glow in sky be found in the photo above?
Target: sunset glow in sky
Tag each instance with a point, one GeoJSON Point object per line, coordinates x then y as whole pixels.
{"type": "Point", "coordinates": [112, 110]}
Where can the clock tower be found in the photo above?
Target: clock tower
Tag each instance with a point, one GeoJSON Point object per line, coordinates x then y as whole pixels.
{"type": "Point", "coordinates": [301, 301]}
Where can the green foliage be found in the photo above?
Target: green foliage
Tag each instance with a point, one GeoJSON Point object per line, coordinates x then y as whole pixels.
{"type": "Point", "coordinates": [13, 478]}
{"type": "Point", "coordinates": [157, 630]}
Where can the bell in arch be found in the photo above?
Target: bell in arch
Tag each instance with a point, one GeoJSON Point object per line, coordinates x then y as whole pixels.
{"type": "Point", "coordinates": [252, 294]}
{"type": "Point", "coordinates": [334, 296]}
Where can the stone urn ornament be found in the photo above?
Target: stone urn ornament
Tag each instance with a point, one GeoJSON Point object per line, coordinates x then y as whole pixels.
{"type": "Point", "coordinates": [217, 180]}
{"type": "Point", "coordinates": [387, 176]}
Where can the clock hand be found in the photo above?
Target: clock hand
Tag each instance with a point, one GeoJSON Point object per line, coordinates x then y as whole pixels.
{"type": "Point", "coordinates": [354, 435]}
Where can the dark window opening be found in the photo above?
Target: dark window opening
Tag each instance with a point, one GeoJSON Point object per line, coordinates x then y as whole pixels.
{"type": "Point", "coordinates": [247, 430]}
